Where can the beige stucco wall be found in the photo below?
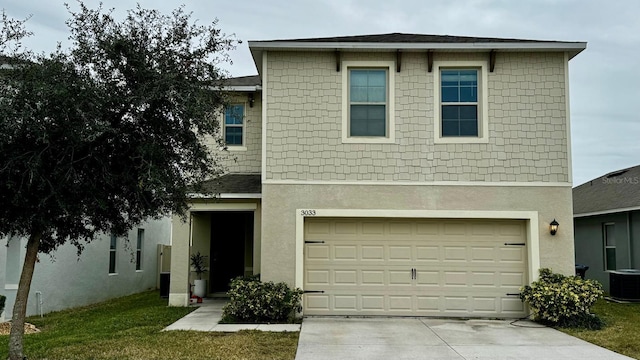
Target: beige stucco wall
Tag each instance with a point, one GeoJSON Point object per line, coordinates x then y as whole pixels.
{"type": "Point", "coordinates": [280, 203]}
{"type": "Point", "coordinates": [526, 109]}
{"type": "Point", "coordinates": [245, 159]}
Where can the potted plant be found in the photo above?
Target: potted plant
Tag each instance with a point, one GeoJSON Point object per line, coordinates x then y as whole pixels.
{"type": "Point", "coordinates": [198, 265]}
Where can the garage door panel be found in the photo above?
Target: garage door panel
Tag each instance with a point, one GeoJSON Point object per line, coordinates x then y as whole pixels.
{"type": "Point", "coordinates": [462, 267]}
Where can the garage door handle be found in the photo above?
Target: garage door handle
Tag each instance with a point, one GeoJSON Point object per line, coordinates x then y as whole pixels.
{"type": "Point", "coordinates": [514, 244]}
{"type": "Point", "coordinates": [313, 291]}
{"type": "Point", "coordinates": [314, 242]}
{"type": "Point", "coordinates": [513, 294]}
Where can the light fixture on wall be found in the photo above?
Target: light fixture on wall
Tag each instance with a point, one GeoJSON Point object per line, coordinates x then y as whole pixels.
{"type": "Point", "coordinates": [553, 227]}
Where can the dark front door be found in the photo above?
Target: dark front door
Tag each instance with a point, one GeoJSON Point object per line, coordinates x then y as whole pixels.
{"type": "Point", "coordinates": [231, 247]}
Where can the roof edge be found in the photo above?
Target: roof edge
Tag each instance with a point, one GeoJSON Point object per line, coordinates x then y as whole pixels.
{"type": "Point", "coordinates": [608, 211]}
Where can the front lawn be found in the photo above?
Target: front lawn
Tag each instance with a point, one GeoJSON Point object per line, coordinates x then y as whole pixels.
{"type": "Point", "coordinates": [622, 328]}
{"type": "Point", "coordinates": [129, 328]}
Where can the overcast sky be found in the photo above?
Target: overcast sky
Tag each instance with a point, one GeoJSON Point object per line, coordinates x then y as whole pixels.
{"type": "Point", "coordinates": [604, 79]}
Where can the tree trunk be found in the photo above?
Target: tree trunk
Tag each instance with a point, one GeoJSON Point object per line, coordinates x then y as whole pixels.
{"type": "Point", "coordinates": [20, 306]}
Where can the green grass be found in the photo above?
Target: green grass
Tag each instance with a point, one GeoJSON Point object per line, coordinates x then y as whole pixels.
{"type": "Point", "coordinates": [622, 328]}
{"type": "Point", "coordinates": [129, 328]}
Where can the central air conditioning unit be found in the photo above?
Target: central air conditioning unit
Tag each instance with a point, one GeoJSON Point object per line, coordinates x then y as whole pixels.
{"type": "Point", "coordinates": [625, 284]}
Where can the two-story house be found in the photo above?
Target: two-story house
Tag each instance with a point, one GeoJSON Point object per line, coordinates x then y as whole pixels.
{"type": "Point", "coordinates": [392, 174]}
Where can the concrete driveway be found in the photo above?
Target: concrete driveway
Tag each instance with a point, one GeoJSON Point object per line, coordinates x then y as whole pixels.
{"type": "Point", "coordinates": [424, 338]}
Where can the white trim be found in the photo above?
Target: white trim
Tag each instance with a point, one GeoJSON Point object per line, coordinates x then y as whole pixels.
{"type": "Point", "coordinates": [391, 129]}
{"type": "Point", "coordinates": [223, 207]}
{"type": "Point", "coordinates": [234, 148]}
{"type": "Point", "coordinates": [479, 46]}
{"type": "Point", "coordinates": [568, 117]}
{"type": "Point", "coordinates": [264, 117]}
{"type": "Point", "coordinates": [604, 212]}
{"type": "Point", "coordinates": [483, 103]}
{"type": "Point", "coordinates": [416, 183]}
{"type": "Point", "coordinates": [533, 236]}
{"type": "Point", "coordinates": [11, 286]}
{"type": "Point", "coordinates": [244, 88]}
{"type": "Point", "coordinates": [225, 196]}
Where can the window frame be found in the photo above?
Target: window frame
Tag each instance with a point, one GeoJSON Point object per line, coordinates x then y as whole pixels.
{"type": "Point", "coordinates": [113, 254]}
{"type": "Point", "coordinates": [243, 126]}
{"type": "Point", "coordinates": [389, 67]}
{"type": "Point", "coordinates": [483, 95]}
{"type": "Point", "coordinates": [139, 249]}
{"type": "Point", "coordinates": [607, 247]}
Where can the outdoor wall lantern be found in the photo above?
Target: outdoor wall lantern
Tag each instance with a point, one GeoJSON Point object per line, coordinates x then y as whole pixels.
{"type": "Point", "coordinates": [553, 227]}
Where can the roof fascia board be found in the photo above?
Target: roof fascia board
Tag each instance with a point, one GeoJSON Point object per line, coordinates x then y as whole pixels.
{"type": "Point", "coordinates": [604, 212]}
{"type": "Point", "coordinates": [246, 88]}
{"type": "Point", "coordinates": [548, 46]}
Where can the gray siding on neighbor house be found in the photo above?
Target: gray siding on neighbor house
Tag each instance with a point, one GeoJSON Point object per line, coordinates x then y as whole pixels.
{"type": "Point", "coordinates": [589, 243]}
{"type": "Point", "coordinates": [65, 280]}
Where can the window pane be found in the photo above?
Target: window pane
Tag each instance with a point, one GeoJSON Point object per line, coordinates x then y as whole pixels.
{"type": "Point", "coordinates": [234, 115]}
{"type": "Point", "coordinates": [358, 78]}
{"type": "Point", "coordinates": [113, 243]}
{"type": "Point", "coordinates": [368, 120]}
{"type": "Point", "coordinates": [468, 94]}
{"type": "Point", "coordinates": [450, 94]}
{"type": "Point", "coordinates": [138, 260]}
{"type": "Point", "coordinates": [368, 86]}
{"type": "Point", "coordinates": [359, 93]}
{"type": "Point", "coordinates": [468, 77]}
{"type": "Point", "coordinates": [112, 262]}
{"type": "Point", "coordinates": [233, 135]}
{"type": "Point", "coordinates": [611, 259]}
{"type": "Point", "coordinates": [449, 78]}
{"type": "Point", "coordinates": [610, 235]}
{"type": "Point", "coordinates": [459, 120]}
{"type": "Point", "coordinates": [377, 94]}
{"type": "Point", "coordinates": [450, 128]}
{"type": "Point", "coordinates": [468, 128]}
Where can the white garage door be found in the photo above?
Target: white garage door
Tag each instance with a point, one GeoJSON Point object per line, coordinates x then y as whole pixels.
{"type": "Point", "coordinates": [419, 267]}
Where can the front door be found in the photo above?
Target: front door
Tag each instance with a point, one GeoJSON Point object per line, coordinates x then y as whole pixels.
{"type": "Point", "coordinates": [231, 247]}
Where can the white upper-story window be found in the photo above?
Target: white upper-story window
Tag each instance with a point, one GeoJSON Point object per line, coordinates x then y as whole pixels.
{"type": "Point", "coordinates": [460, 102]}
{"type": "Point", "coordinates": [368, 109]}
{"type": "Point", "coordinates": [234, 122]}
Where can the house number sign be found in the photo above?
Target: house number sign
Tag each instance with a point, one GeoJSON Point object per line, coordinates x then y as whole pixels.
{"type": "Point", "coordinates": [308, 212]}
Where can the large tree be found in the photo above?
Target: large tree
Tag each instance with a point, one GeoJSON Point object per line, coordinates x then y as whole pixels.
{"type": "Point", "coordinates": [106, 134]}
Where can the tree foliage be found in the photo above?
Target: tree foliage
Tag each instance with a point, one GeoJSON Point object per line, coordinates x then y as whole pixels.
{"type": "Point", "coordinates": [108, 133]}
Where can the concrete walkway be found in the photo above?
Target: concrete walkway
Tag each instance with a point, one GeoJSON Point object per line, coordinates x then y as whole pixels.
{"type": "Point", "coordinates": [423, 338]}
{"type": "Point", "coordinates": [209, 313]}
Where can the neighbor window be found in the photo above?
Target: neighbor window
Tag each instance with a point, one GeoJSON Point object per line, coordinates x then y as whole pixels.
{"type": "Point", "coordinates": [139, 245]}
{"type": "Point", "coordinates": [112, 254]}
{"type": "Point", "coordinates": [234, 125]}
{"type": "Point", "coordinates": [460, 102]}
{"type": "Point", "coordinates": [367, 101]}
{"type": "Point", "coordinates": [609, 237]}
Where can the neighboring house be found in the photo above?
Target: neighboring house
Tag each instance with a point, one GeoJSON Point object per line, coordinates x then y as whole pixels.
{"type": "Point", "coordinates": [606, 213]}
{"type": "Point", "coordinates": [393, 174]}
{"type": "Point", "coordinates": [108, 267]}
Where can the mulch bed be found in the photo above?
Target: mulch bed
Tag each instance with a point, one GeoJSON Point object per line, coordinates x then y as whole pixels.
{"type": "Point", "coordinates": [5, 328]}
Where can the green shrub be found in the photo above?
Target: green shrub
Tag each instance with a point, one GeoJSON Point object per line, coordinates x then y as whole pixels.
{"type": "Point", "coordinates": [253, 301]}
{"type": "Point", "coordinates": [563, 301]}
